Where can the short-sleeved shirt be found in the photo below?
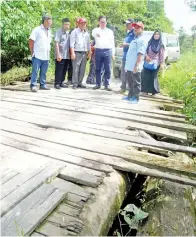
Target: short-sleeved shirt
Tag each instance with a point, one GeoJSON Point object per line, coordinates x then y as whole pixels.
{"type": "Point", "coordinates": [42, 38]}
{"type": "Point", "coordinates": [63, 38]}
{"type": "Point", "coordinates": [80, 40]}
{"type": "Point", "coordinates": [129, 37]}
{"type": "Point", "coordinates": [137, 46]}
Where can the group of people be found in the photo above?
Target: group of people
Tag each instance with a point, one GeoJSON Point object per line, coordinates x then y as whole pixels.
{"type": "Point", "coordinates": [140, 62]}
{"type": "Point", "coordinates": [72, 50]}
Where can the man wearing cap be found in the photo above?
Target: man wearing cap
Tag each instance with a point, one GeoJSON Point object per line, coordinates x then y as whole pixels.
{"type": "Point", "coordinates": [62, 55]}
{"type": "Point", "coordinates": [39, 45]}
{"type": "Point", "coordinates": [129, 37]}
{"type": "Point", "coordinates": [134, 63]}
{"type": "Point", "coordinates": [80, 51]}
{"type": "Point", "coordinates": [104, 52]}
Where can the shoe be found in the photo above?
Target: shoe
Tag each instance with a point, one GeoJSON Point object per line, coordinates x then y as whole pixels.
{"type": "Point", "coordinates": [63, 86]}
{"type": "Point", "coordinates": [88, 82]}
{"type": "Point", "coordinates": [57, 87]}
{"type": "Point", "coordinates": [134, 100]}
{"type": "Point", "coordinates": [107, 88]}
{"type": "Point", "coordinates": [69, 83]}
{"type": "Point", "coordinates": [74, 87]}
{"type": "Point", "coordinates": [33, 89]}
{"type": "Point", "coordinates": [96, 87]}
{"type": "Point", "coordinates": [126, 98]}
{"type": "Point", "coordinates": [44, 88]}
{"type": "Point", "coordinates": [81, 86]}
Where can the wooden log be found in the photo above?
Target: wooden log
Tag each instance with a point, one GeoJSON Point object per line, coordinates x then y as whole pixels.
{"type": "Point", "coordinates": [110, 114]}
{"type": "Point", "coordinates": [171, 210]}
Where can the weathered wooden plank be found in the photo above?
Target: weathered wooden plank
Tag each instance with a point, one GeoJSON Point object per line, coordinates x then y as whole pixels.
{"type": "Point", "coordinates": [108, 102]}
{"type": "Point", "coordinates": [136, 157]}
{"type": "Point", "coordinates": [89, 104]}
{"type": "Point", "coordinates": [53, 152]}
{"type": "Point", "coordinates": [88, 128]}
{"type": "Point", "coordinates": [26, 216]}
{"type": "Point", "coordinates": [36, 234]}
{"type": "Point", "coordinates": [130, 166]}
{"type": "Point", "coordinates": [80, 176]}
{"type": "Point", "coordinates": [111, 114]}
{"type": "Point", "coordinates": [16, 129]}
{"type": "Point", "coordinates": [8, 176]}
{"type": "Point", "coordinates": [50, 229]}
{"type": "Point", "coordinates": [29, 186]}
{"type": "Point", "coordinates": [67, 222]}
{"type": "Point", "coordinates": [69, 187]}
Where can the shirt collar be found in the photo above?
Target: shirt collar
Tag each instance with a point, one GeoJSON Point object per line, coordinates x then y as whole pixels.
{"type": "Point", "coordinates": [79, 30]}
{"type": "Point", "coordinates": [42, 26]}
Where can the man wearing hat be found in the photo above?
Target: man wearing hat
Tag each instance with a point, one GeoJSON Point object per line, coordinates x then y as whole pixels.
{"type": "Point", "coordinates": [134, 63]}
{"type": "Point", "coordinates": [62, 55]}
{"type": "Point", "coordinates": [129, 37]}
{"type": "Point", "coordinates": [80, 51]}
{"type": "Point", "coordinates": [39, 45]}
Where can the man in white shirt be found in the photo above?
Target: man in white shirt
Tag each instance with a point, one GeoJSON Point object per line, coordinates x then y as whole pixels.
{"type": "Point", "coordinates": [39, 45]}
{"type": "Point", "coordinates": [104, 52]}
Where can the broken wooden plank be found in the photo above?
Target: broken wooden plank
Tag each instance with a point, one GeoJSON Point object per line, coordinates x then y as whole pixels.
{"type": "Point", "coordinates": [111, 114]}
{"type": "Point", "coordinates": [80, 176]}
{"type": "Point", "coordinates": [29, 186]}
{"type": "Point", "coordinates": [27, 215]}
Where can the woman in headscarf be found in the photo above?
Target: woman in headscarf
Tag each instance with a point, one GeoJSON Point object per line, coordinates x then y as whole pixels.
{"type": "Point", "coordinates": [155, 56]}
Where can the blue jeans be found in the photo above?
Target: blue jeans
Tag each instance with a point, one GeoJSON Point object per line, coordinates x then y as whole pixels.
{"type": "Point", "coordinates": [37, 65]}
{"type": "Point", "coordinates": [103, 57]}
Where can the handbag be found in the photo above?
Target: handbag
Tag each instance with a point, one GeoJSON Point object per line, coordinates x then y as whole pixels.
{"type": "Point", "coordinates": [152, 65]}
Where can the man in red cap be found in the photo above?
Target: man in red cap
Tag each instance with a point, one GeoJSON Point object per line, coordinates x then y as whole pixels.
{"type": "Point", "coordinates": [134, 63]}
{"type": "Point", "coordinates": [80, 51]}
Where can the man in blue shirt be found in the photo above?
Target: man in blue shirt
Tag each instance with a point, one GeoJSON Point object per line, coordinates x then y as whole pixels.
{"type": "Point", "coordinates": [129, 37]}
{"type": "Point", "coordinates": [134, 63]}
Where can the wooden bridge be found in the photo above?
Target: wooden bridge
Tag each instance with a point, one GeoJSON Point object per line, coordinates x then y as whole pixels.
{"type": "Point", "coordinates": [61, 153]}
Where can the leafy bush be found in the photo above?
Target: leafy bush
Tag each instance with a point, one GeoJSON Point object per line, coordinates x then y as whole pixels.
{"type": "Point", "coordinates": [15, 74]}
{"type": "Point", "coordinates": [179, 81]}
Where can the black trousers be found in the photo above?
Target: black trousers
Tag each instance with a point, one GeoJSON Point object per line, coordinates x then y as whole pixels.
{"type": "Point", "coordinates": [60, 71]}
{"type": "Point", "coordinates": [70, 71]}
{"type": "Point", "coordinates": [134, 83]}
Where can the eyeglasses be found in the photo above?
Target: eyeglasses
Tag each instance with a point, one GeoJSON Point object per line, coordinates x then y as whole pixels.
{"type": "Point", "coordinates": [103, 22]}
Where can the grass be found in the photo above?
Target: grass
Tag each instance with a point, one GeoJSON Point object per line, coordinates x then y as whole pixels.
{"type": "Point", "coordinates": [179, 82]}
{"type": "Point", "coordinates": [15, 74]}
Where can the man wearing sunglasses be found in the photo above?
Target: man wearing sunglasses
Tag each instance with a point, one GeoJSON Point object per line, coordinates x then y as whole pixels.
{"type": "Point", "coordinates": [104, 52]}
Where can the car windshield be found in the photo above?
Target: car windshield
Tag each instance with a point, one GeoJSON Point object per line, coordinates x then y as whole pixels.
{"type": "Point", "coordinates": [172, 42]}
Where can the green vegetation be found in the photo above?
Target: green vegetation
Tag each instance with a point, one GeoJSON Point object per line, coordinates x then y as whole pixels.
{"type": "Point", "coordinates": [179, 82]}
{"type": "Point", "coordinates": [18, 18]}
